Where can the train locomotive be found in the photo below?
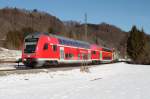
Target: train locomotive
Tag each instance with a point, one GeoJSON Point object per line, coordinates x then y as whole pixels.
{"type": "Point", "coordinates": [43, 48]}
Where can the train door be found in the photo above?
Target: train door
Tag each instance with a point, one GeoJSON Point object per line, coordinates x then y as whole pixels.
{"type": "Point", "coordinates": [101, 55]}
{"type": "Point", "coordinates": [89, 55]}
{"type": "Point", "coordinates": [61, 53]}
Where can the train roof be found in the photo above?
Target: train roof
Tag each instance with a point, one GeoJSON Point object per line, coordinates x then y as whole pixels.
{"type": "Point", "coordinates": [67, 41]}
{"type": "Point", "coordinates": [35, 35]}
{"type": "Point", "coordinates": [107, 49]}
{"type": "Point", "coordinates": [62, 40]}
{"type": "Point", "coordinates": [71, 42]}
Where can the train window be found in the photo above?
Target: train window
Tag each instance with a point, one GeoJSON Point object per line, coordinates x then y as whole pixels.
{"type": "Point", "coordinates": [31, 40]}
{"type": "Point", "coordinates": [93, 52]}
{"type": "Point", "coordinates": [68, 55]}
{"type": "Point", "coordinates": [107, 50]}
{"type": "Point", "coordinates": [45, 46]}
{"type": "Point", "coordinates": [54, 48]}
{"type": "Point", "coordinates": [78, 56]}
{"type": "Point", "coordinates": [69, 42]}
{"type": "Point", "coordinates": [85, 56]}
{"type": "Point", "coordinates": [71, 55]}
{"type": "Point", "coordinates": [30, 48]}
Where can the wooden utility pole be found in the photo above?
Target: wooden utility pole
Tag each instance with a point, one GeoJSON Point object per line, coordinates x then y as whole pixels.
{"type": "Point", "coordinates": [86, 28]}
{"type": "Point", "coordinates": [84, 67]}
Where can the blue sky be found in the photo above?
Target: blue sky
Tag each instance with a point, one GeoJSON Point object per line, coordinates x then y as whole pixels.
{"type": "Point", "coordinates": [122, 13]}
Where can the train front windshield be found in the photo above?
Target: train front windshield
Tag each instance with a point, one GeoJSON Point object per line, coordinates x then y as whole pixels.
{"type": "Point", "coordinates": [30, 48]}
{"type": "Point", "coordinates": [30, 45]}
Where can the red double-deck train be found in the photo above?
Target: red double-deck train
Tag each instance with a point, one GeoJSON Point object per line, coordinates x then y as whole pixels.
{"type": "Point", "coordinates": [44, 48]}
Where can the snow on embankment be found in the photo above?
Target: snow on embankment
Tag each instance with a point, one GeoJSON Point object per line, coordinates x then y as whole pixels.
{"type": "Point", "coordinates": [9, 55]}
{"type": "Point", "coordinates": [110, 81]}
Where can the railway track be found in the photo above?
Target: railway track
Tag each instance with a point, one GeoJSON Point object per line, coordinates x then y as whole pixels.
{"type": "Point", "coordinates": [24, 70]}
{"type": "Point", "coordinates": [21, 69]}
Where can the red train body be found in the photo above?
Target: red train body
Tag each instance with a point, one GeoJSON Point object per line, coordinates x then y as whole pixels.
{"type": "Point", "coordinates": [43, 48]}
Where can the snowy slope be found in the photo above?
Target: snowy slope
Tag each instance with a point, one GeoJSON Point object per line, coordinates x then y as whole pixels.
{"type": "Point", "coordinates": [111, 81]}
{"type": "Point", "coordinates": [9, 55]}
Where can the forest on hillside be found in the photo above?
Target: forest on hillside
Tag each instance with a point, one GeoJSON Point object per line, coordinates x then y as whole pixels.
{"type": "Point", "coordinates": [14, 19]}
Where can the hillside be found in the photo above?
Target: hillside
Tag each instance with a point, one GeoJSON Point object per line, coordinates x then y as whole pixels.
{"type": "Point", "coordinates": [105, 34]}
{"type": "Point", "coordinates": [16, 19]}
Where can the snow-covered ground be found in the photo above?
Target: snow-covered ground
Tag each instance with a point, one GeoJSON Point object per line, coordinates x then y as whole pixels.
{"type": "Point", "coordinates": [9, 55]}
{"type": "Point", "coordinates": [110, 81]}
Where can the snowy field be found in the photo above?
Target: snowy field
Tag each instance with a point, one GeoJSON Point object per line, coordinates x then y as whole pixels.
{"type": "Point", "coordinates": [9, 55]}
{"type": "Point", "coordinates": [110, 81]}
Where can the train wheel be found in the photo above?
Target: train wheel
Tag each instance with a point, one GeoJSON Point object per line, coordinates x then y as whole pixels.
{"type": "Point", "coordinates": [55, 63]}
{"type": "Point", "coordinates": [30, 65]}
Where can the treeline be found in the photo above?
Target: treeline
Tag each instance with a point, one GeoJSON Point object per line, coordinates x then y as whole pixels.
{"type": "Point", "coordinates": [15, 38]}
{"type": "Point", "coordinates": [14, 20]}
{"type": "Point", "coordinates": [138, 46]}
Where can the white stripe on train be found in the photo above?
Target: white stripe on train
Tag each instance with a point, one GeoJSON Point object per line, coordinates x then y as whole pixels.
{"type": "Point", "coordinates": [71, 61]}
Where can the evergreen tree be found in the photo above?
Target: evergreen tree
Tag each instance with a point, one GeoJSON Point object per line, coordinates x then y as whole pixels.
{"type": "Point", "coordinates": [51, 30]}
{"type": "Point", "coordinates": [144, 58]}
{"type": "Point", "coordinates": [26, 31]}
{"type": "Point", "coordinates": [15, 38]}
{"type": "Point", "coordinates": [96, 40]}
{"type": "Point", "coordinates": [70, 34]}
{"type": "Point", "coordinates": [136, 44]}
